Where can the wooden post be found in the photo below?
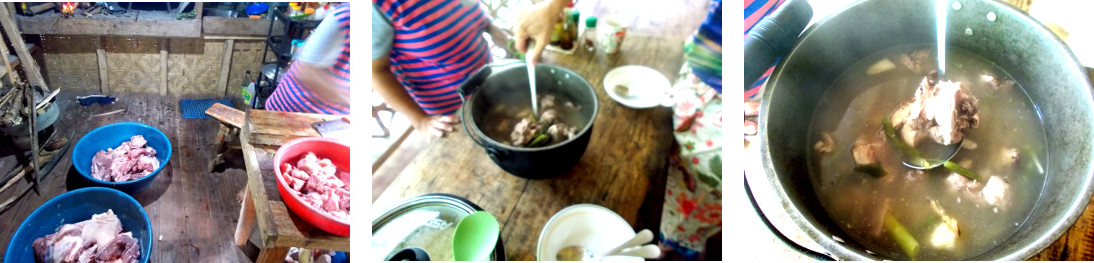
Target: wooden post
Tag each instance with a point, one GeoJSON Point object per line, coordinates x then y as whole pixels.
{"type": "Point", "coordinates": [163, 66]}
{"type": "Point", "coordinates": [30, 67]}
{"type": "Point", "coordinates": [104, 85]}
{"type": "Point", "coordinates": [198, 9]}
{"type": "Point", "coordinates": [226, 65]}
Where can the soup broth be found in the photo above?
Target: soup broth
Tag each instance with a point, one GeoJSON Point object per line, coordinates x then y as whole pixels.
{"type": "Point", "coordinates": [1007, 145]}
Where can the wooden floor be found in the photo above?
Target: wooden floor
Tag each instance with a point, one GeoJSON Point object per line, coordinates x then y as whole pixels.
{"type": "Point", "coordinates": [193, 211]}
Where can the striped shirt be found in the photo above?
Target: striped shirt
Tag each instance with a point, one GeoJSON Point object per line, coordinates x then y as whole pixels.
{"type": "Point", "coordinates": [291, 95]}
{"type": "Point", "coordinates": [755, 10]}
{"type": "Point", "coordinates": [435, 46]}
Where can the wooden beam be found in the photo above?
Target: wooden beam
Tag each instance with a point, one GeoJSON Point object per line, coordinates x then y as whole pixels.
{"type": "Point", "coordinates": [226, 65]}
{"type": "Point", "coordinates": [163, 66]}
{"type": "Point", "coordinates": [199, 10]}
{"type": "Point", "coordinates": [30, 67]}
{"type": "Point", "coordinates": [104, 85]}
{"type": "Point", "coordinates": [242, 26]}
{"type": "Point", "coordinates": [147, 23]}
{"type": "Point", "coordinates": [211, 37]}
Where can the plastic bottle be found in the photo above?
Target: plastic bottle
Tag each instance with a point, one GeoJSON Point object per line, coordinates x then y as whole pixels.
{"type": "Point", "coordinates": [247, 88]}
{"type": "Point", "coordinates": [588, 38]}
{"type": "Point", "coordinates": [320, 12]}
{"type": "Point", "coordinates": [566, 39]}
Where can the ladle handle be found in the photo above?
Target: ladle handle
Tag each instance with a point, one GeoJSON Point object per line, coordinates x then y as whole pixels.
{"type": "Point", "coordinates": [773, 37]}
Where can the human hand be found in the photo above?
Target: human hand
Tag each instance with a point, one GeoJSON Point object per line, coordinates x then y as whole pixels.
{"type": "Point", "coordinates": [752, 109]}
{"type": "Point", "coordinates": [436, 126]}
{"type": "Point", "coordinates": [536, 24]}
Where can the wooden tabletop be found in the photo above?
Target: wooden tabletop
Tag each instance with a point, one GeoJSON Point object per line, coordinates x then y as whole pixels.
{"type": "Point", "coordinates": [623, 167]}
{"type": "Point", "coordinates": [266, 130]}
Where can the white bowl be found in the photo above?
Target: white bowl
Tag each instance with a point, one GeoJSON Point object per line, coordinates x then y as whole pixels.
{"type": "Point", "coordinates": [594, 227]}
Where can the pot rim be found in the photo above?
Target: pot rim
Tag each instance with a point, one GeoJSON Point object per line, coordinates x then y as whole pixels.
{"type": "Point", "coordinates": [836, 248]}
{"type": "Point", "coordinates": [586, 129]}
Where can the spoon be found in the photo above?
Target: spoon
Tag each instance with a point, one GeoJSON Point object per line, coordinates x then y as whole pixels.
{"type": "Point", "coordinates": [924, 156]}
{"type": "Point", "coordinates": [532, 83]}
{"type": "Point", "coordinates": [580, 253]}
{"type": "Point", "coordinates": [650, 251]}
{"type": "Point", "coordinates": [475, 237]}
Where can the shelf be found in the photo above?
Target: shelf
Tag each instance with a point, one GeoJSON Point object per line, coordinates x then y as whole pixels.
{"type": "Point", "coordinates": [302, 24]}
{"type": "Point", "coordinates": [277, 44]}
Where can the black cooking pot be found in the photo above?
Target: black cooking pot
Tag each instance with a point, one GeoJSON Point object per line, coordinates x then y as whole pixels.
{"type": "Point", "coordinates": [1030, 53]}
{"type": "Point", "coordinates": [505, 82]}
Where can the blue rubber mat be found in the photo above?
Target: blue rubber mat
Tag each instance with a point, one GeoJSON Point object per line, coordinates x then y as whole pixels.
{"type": "Point", "coordinates": [195, 109]}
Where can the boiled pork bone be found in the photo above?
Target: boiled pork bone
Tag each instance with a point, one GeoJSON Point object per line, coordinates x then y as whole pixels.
{"type": "Point", "coordinates": [316, 181]}
{"type": "Point", "coordinates": [99, 239]}
{"type": "Point", "coordinates": [132, 160]}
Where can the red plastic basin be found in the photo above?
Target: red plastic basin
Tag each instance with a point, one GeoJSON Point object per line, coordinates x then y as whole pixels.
{"type": "Point", "coordinates": [290, 153]}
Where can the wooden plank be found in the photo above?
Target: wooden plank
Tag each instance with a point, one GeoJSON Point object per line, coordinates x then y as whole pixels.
{"type": "Point", "coordinates": [30, 67]}
{"type": "Point", "coordinates": [246, 219]}
{"type": "Point", "coordinates": [239, 26]}
{"type": "Point", "coordinates": [12, 79]}
{"type": "Point", "coordinates": [258, 190]}
{"type": "Point", "coordinates": [226, 65]}
{"type": "Point", "coordinates": [199, 10]}
{"type": "Point", "coordinates": [147, 23]}
{"type": "Point", "coordinates": [227, 115]}
{"type": "Point", "coordinates": [104, 85]}
{"type": "Point", "coordinates": [163, 66]}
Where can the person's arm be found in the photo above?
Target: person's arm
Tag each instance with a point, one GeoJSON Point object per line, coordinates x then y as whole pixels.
{"type": "Point", "coordinates": [396, 97]}
{"type": "Point", "coordinates": [537, 24]}
{"type": "Point", "coordinates": [317, 80]}
{"type": "Point", "coordinates": [320, 53]}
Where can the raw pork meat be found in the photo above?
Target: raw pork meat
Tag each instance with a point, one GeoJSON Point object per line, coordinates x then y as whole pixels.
{"type": "Point", "coordinates": [132, 160]}
{"type": "Point", "coordinates": [317, 182]}
{"type": "Point", "coordinates": [99, 239]}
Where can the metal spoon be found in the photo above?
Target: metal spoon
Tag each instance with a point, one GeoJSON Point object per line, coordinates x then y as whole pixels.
{"type": "Point", "coordinates": [580, 253]}
{"type": "Point", "coordinates": [532, 84]}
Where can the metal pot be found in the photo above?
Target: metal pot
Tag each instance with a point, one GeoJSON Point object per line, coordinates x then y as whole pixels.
{"type": "Point", "coordinates": [45, 120]}
{"type": "Point", "coordinates": [506, 82]}
{"type": "Point", "coordinates": [421, 229]}
{"type": "Point", "coordinates": [1032, 55]}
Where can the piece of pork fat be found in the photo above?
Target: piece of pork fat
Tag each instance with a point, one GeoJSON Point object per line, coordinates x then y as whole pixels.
{"type": "Point", "coordinates": [943, 111]}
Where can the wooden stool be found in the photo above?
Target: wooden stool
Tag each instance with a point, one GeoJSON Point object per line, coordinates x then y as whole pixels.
{"type": "Point", "coordinates": [231, 120]}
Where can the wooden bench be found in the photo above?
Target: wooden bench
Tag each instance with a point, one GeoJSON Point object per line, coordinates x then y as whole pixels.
{"type": "Point", "coordinates": [231, 120]}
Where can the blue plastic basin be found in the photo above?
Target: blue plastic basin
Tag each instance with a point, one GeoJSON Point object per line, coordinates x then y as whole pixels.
{"type": "Point", "coordinates": [111, 136]}
{"type": "Point", "coordinates": [75, 206]}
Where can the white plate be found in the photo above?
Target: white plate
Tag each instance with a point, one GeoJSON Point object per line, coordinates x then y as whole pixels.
{"type": "Point", "coordinates": [647, 87]}
{"type": "Point", "coordinates": [591, 226]}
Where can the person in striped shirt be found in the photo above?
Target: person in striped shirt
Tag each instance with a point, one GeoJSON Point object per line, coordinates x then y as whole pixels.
{"type": "Point", "coordinates": [423, 50]}
{"type": "Point", "coordinates": [318, 81]}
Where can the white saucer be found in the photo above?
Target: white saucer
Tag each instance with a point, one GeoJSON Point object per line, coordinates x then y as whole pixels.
{"type": "Point", "coordinates": [646, 87]}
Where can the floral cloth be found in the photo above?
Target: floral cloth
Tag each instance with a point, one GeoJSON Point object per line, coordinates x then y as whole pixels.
{"type": "Point", "coordinates": [693, 198]}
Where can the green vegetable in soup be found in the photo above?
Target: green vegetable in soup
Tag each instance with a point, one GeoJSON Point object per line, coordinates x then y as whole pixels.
{"type": "Point", "coordinates": [890, 133]}
{"type": "Point", "coordinates": [952, 166]}
{"type": "Point", "coordinates": [901, 235]}
{"type": "Point", "coordinates": [874, 170]}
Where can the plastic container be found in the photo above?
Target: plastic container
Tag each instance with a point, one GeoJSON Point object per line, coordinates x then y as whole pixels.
{"type": "Point", "coordinates": [110, 136]}
{"type": "Point", "coordinates": [291, 152]}
{"type": "Point", "coordinates": [75, 206]}
{"type": "Point", "coordinates": [423, 227]}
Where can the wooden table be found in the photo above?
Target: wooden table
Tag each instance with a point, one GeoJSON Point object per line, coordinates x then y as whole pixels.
{"type": "Point", "coordinates": [623, 167]}
{"type": "Point", "coordinates": [278, 229]}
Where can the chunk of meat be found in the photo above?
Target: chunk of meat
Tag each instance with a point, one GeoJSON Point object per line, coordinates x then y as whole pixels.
{"type": "Point", "coordinates": [523, 133]}
{"type": "Point", "coordinates": [995, 190]}
{"type": "Point", "coordinates": [1009, 156]}
{"type": "Point", "coordinates": [919, 61]}
{"type": "Point", "coordinates": [946, 233]}
{"type": "Point", "coordinates": [561, 132]}
{"type": "Point", "coordinates": [318, 183]}
{"type": "Point", "coordinates": [548, 101]}
{"type": "Point", "coordinates": [944, 111]}
{"type": "Point", "coordinates": [98, 239]}
{"type": "Point", "coordinates": [548, 117]}
{"type": "Point", "coordinates": [825, 145]}
{"type": "Point", "coordinates": [131, 160]}
{"type": "Point", "coordinates": [867, 158]}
